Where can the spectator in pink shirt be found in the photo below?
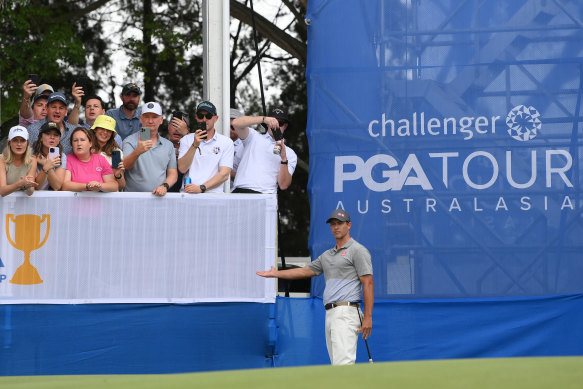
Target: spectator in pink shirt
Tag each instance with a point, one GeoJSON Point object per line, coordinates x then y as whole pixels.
{"type": "Point", "coordinates": [87, 171]}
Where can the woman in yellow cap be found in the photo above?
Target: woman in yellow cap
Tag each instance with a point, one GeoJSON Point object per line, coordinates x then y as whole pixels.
{"type": "Point", "coordinates": [104, 130]}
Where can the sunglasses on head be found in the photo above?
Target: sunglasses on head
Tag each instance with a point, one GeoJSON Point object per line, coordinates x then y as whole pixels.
{"type": "Point", "coordinates": [209, 116]}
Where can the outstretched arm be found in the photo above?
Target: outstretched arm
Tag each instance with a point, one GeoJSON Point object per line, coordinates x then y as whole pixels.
{"type": "Point", "coordinates": [288, 274]}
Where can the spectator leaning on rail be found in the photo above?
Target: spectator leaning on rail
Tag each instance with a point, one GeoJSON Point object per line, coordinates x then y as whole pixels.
{"type": "Point", "coordinates": [260, 169]}
{"type": "Point", "coordinates": [87, 171]}
{"type": "Point", "coordinates": [150, 164]}
{"type": "Point", "coordinates": [50, 171]}
{"type": "Point", "coordinates": [17, 164]}
{"type": "Point", "coordinates": [206, 157]}
{"type": "Point", "coordinates": [56, 112]}
{"type": "Point", "coordinates": [106, 143]}
{"type": "Point", "coordinates": [127, 116]}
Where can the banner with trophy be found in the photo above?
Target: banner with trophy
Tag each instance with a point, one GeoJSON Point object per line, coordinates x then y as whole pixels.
{"type": "Point", "coordinates": [62, 247]}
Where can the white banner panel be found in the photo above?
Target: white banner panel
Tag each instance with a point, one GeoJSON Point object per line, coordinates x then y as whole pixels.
{"type": "Point", "coordinates": [135, 248]}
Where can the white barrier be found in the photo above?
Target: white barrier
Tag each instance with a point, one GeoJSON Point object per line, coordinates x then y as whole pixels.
{"type": "Point", "coordinates": [135, 248]}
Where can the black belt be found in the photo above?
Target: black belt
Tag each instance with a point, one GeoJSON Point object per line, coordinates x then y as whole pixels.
{"type": "Point", "coordinates": [341, 304]}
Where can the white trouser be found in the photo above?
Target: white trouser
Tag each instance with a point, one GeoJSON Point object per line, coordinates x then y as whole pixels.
{"type": "Point", "coordinates": [342, 324]}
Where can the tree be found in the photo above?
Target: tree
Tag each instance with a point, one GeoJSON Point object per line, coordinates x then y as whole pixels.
{"type": "Point", "coordinates": [50, 39]}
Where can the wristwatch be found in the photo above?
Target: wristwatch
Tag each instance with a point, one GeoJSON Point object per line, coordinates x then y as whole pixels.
{"type": "Point", "coordinates": [165, 185]}
{"type": "Point", "coordinates": [284, 162]}
{"type": "Point", "coordinates": [202, 188]}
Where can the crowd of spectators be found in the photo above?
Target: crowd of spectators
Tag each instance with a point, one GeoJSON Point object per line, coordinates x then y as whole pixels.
{"type": "Point", "coordinates": [121, 149]}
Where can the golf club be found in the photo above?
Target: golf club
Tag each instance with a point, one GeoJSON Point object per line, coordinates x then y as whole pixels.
{"type": "Point", "coordinates": [365, 342]}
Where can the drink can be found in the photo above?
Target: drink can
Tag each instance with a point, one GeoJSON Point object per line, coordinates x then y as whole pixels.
{"type": "Point", "coordinates": [187, 181]}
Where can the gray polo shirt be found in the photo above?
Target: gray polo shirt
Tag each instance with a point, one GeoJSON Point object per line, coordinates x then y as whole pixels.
{"type": "Point", "coordinates": [149, 171]}
{"type": "Point", "coordinates": [342, 270]}
{"type": "Point", "coordinates": [124, 125]}
{"type": "Point", "coordinates": [34, 129]}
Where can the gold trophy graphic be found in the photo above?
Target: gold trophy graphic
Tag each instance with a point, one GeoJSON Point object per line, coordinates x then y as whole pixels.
{"type": "Point", "coordinates": [27, 239]}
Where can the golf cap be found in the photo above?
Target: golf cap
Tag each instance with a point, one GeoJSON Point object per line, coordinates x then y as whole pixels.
{"type": "Point", "coordinates": [18, 131]}
{"type": "Point", "coordinates": [49, 126]}
{"type": "Point", "coordinates": [207, 106]}
{"type": "Point", "coordinates": [279, 113]}
{"type": "Point", "coordinates": [152, 107]}
{"type": "Point", "coordinates": [44, 88]}
{"type": "Point", "coordinates": [131, 87]}
{"type": "Point", "coordinates": [39, 97]}
{"type": "Point", "coordinates": [57, 96]}
{"type": "Point", "coordinates": [339, 214]}
{"type": "Point", "coordinates": [105, 122]}
{"type": "Point", "coordinates": [235, 113]}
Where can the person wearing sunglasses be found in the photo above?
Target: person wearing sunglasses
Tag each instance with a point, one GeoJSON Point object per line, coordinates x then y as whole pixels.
{"type": "Point", "coordinates": [266, 162]}
{"type": "Point", "coordinates": [205, 156]}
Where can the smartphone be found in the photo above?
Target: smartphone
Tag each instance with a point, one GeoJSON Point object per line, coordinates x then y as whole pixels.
{"type": "Point", "coordinates": [82, 81]}
{"type": "Point", "coordinates": [145, 133]}
{"type": "Point", "coordinates": [179, 115]}
{"type": "Point", "coordinates": [34, 78]}
{"type": "Point", "coordinates": [115, 158]}
{"type": "Point", "coordinates": [277, 134]}
{"type": "Point", "coordinates": [202, 126]}
{"type": "Point", "coordinates": [54, 152]}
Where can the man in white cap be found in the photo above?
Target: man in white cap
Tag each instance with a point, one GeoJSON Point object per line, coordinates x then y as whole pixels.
{"type": "Point", "coordinates": [150, 163]}
{"type": "Point", "coordinates": [347, 269]}
{"type": "Point", "coordinates": [56, 112]}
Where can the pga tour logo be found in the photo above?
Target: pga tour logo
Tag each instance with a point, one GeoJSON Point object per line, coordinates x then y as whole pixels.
{"type": "Point", "coordinates": [523, 123]}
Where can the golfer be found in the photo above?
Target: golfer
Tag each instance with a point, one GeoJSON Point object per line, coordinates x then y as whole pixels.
{"type": "Point", "coordinates": [347, 269]}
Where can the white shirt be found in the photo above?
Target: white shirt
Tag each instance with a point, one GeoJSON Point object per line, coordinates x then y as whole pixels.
{"type": "Point", "coordinates": [211, 154]}
{"type": "Point", "coordinates": [259, 167]}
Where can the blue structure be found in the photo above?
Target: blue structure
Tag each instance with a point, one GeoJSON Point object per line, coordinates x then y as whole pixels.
{"type": "Point", "coordinates": [450, 130]}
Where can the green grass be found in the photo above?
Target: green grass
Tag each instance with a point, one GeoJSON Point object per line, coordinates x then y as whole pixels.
{"type": "Point", "coordinates": [563, 373]}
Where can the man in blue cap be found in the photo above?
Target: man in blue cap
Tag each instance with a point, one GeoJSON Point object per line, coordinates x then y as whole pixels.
{"type": "Point", "coordinates": [56, 112]}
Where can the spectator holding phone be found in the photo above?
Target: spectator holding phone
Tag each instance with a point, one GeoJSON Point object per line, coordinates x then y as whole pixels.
{"type": "Point", "coordinates": [51, 162]}
{"type": "Point", "coordinates": [150, 160]}
{"type": "Point", "coordinates": [206, 157]}
{"type": "Point", "coordinates": [33, 109]}
{"type": "Point", "coordinates": [56, 112]}
{"type": "Point", "coordinates": [106, 145]}
{"type": "Point", "coordinates": [266, 162]}
{"type": "Point", "coordinates": [17, 164]}
{"type": "Point", "coordinates": [87, 171]}
{"type": "Point", "coordinates": [177, 128]}
{"type": "Point", "coordinates": [78, 93]}
{"type": "Point", "coordinates": [127, 116]}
